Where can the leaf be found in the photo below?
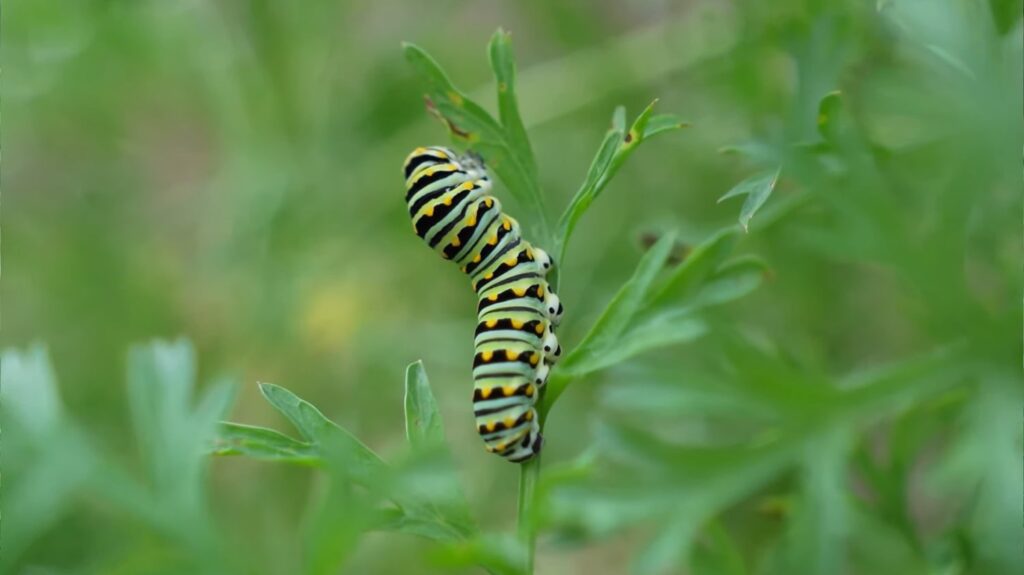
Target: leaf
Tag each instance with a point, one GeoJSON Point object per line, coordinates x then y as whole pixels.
{"type": "Point", "coordinates": [668, 548]}
{"type": "Point", "coordinates": [502, 554]}
{"type": "Point", "coordinates": [667, 393]}
{"type": "Point", "coordinates": [817, 533]}
{"type": "Point", "coordinates": [504, 66]}
{"type": "Point", "coordinates": [263, 444]}
{"type": "Point", "coordinates": [362, 464]}
{"type": "Point", "coordinates": [671, 328]}
{"type": "Point", "coordinates": [828, 115]}
{"type": "Point", "coordinates": [757, 152]}
{"type": "Point", "coordinates": [29, 391]}
{"type": "Point", "coordinates": [423, 425]}
{"type": "Point", "coordinates": [626, 303]}
{"type": "Point", "coordinates": [688, 277]}
{"type": "Point", "coordinates": [664, 123]}
{"type": "Point", "coordinates": [757, 188]}
{"type": "Point", "coordinates": [615, 149]}
{"type": "Point", "coordinates": [731, 281]}
{"type": "Point", "coordinates": [586, 194]}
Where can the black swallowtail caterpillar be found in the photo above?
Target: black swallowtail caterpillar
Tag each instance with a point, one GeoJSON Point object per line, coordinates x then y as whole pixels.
{"type": "Point", "coordinates": [452, 210]}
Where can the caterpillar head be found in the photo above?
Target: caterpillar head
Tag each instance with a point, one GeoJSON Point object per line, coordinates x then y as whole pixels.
{"type": "Point", "coordinates": [473, 164]}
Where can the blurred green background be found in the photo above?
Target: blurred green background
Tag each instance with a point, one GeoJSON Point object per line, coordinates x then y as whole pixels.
{"type": "Point", "coordinates": [228, 171]}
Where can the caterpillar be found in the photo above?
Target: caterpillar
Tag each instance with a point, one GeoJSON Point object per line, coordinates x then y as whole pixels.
{"type": "Point", "coordinates": [452, 210]}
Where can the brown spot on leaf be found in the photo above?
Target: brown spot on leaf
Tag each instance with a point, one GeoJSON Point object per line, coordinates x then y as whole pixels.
{"type": "Point", "coordinates": [454, 129]}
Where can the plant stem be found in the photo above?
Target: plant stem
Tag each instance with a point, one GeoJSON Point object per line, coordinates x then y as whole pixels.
{"type": "Point", "coordinates": [528, 474]}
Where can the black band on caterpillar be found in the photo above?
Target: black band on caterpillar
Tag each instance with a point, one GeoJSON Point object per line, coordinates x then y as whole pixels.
{"type": "Point", "coordinates": [449, 201]}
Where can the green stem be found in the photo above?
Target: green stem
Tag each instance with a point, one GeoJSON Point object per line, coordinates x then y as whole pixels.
{"type": "Point", "coordinates": [528, 474]}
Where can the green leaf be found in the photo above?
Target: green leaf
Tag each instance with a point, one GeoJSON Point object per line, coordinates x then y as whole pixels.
{"type": "Point", "coordinates": [817, 533]}
{"type": "Point", "coordinates": [29, 392]}
{"type": "Point", "coordinates": [625, 305]}
{"type": "Point", "coordinates": [423, 425]}
{"type": "Point", "coordinates": [757, 188]}
{"type": "Point", "coordinates": [263, 444]}
{"type": "Point", "coordinates": [829, 109]}
{"type": "Point", "coordinates": [617, 146]}
{"type": "Point", "coordinates": [359, 461]}
{"type": "Point", "coordinates": [502, 554]}
{"type": "Point", "coordinates": [604, 334]}
{"type": "Point", "coordinates": [667, 393]}
{"type": "Point", "coordinates": [662, 330]}
{"type": "Point", "coordinates": [720, 553]}
{"type": "Point", "coordinates": [504, 66]}
{"type": "Point", "coordinates": [668, 548]}
{"type": "Point", "coordinates": [731, 281]}
{"type": "Point", "coordinates": [586, 194]}
{"type": "Point", "coordinates": [664, 123]}
{"type": "Point", "coordinates": [700, 264]}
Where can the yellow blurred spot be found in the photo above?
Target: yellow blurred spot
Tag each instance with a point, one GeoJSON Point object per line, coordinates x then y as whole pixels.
{"type": "Point", "coordinates": [508, 390]}
{"type": "Point", "coordinates": [332, 314]}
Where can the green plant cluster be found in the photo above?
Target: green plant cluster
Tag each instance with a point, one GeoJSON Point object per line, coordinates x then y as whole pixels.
{"type": "Point", "coordinates": [818, 373]}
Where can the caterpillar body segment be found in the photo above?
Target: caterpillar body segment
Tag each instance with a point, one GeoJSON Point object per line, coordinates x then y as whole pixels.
{"type": "Point", "coordinates": [453, 211]}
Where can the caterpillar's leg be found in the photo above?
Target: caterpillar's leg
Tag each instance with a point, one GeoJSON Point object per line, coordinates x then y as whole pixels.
{"type": "Point", "coordinates": [543, 259]}
{"type": "Point", "coordinates": [540, 377]}
{"type": "Point", "coordinates": [553, 307]}
{"type": "Point", "coordinates": [551, 347]}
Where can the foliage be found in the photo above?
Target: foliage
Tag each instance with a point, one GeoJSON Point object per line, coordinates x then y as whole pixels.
{"type": "Point", "coordinates": [829, 385]}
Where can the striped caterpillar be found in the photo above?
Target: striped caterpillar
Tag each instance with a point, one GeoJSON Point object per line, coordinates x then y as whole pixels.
{"type": "Point", "coordinates": [515, 345]}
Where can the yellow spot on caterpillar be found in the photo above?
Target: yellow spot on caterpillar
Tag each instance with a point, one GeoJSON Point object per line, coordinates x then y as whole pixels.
{"type": "Point", "coordinates": [476, 259]}
{"type": "Point", "coordinates": [429, 211]}
{"type": "Point", "coordinates": [491, 323]}
{"type": "Point", "coordinates": [492, 297]}
{"type": "Point", "coordinates": [520, 292]}
{"type": "Point", "coordinates": [488, 202]}
{"type": "Point", "coordinates": [493, 240]}
{"type": "Point", "coordinates": [456, 243]}
{"type": "Point", "coordinates": [511, 261]}
{"type": "Point", "coordinates": [508, 390]}
{"type": "Point", "coordinates": [529, 390]}
{"type": "Point", "coordinates": [485, 392]}
{"type": "Point", "coordinates": [511, 355]}
{"type": "Point", "coordinates": [500, 446]}
{"type": "Point", "coordinates": [529, 254]}
{"type": "Point", "coordinates": [463, 268]}
{"type": "Point", "coordinates": [507, 225]}
{"type": "Point", "coordinates": [517, 324]}
{"type": "Point", "coordinates": [535, 359]}
{"type": "Point", "coordinates": [510, 422]}
{"type": "Point", "coordinates": [471, 221]}
{"type": "Point", "coordinates": [487, 355]}
{"type": "Point", "coordinates": [489, 276]}
{"type": "Point", "coordinates": [540, 291]}
{"type": "Point", "coordinates": [448, 201]}
{"type": "Point", "coordinates": [539, 329]}
{"type": "Point", "coordinates": [529, 414]}
{"type": "Point", "coordinates": [491, 425]}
